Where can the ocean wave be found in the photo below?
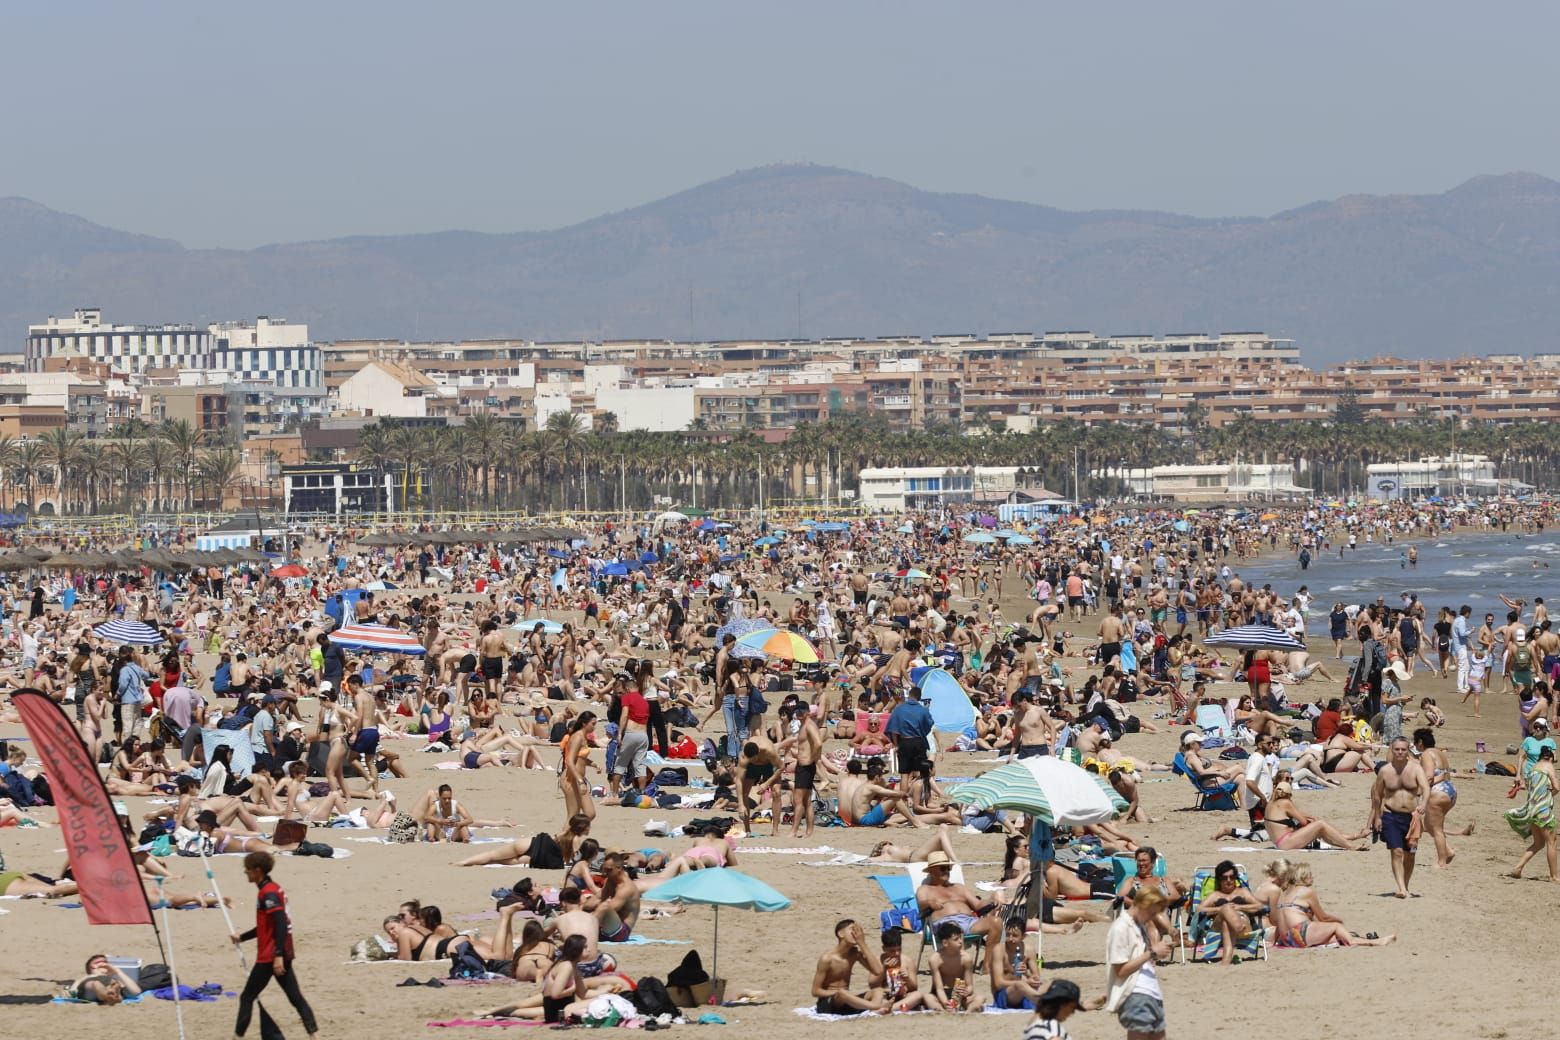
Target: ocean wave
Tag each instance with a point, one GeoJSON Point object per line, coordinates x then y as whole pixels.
{"type": "Point", "coordinates": [1462, 574]}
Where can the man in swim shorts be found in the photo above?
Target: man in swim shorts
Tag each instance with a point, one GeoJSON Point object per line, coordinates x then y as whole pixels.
{"type": "Point", "coordinates": [865, 804]}
{"type": "Point", "coordinates": [943, 902]}
{"type": "Point", "coordinates": [1397, 807]}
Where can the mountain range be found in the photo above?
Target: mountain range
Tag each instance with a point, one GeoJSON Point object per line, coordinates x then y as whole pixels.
{"type": "Point", "coordinates": [806, 250]}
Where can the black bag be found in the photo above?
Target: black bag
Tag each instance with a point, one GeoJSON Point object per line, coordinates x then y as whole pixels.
{"type": "Point", "coordinates": [544, 853]}
{"type": "Point", "coordinates": [318, 756]}
{"type": "Point", "coordinates": [466, 963]}
{"type": "Point", "coordinates": [1498, 769]}
{"type": "Point", "coordinates": [672, 776]}
{"type": "Point", "coordinates": [154, 976]}
{"type": "Point", "coordinates": [651, 1000]}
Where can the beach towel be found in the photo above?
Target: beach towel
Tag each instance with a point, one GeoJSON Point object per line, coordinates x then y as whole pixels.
{"type": "Point", "coordinates": [642, 940]}
{"type": "Point", "coordinates": [76, 1000]}
{"type": "Point", "coordinates": [492, 1023]}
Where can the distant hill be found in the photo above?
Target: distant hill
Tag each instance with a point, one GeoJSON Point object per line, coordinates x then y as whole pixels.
{"type": "Point", "coordinates": [1476, 269]}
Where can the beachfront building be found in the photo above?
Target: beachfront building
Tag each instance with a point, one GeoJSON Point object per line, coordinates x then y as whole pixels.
{"type": "Point", "coordinates": [1451, 476]}
{"type": "Point", "coordinates": [270, 350]}
{"type": "Point", "coordinates": [897, 489]}
{"type": "Point", "coordinates": [1211, 483]}
{"type": "Point", "coordinates": [336, 488]}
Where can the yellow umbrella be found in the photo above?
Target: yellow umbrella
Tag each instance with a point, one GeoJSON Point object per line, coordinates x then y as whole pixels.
{"type": "Point", "coordinates": [1098, 519]}
{"type": "Point", "coordinates": [1268, 516]}
{"type": "Point", "coordinates": [1076, 522]}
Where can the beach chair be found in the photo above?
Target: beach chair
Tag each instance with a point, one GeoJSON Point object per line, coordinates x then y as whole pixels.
{"type": "Point", "coordinates": [1212, 720]}
{"type": "Point", "coordinates": [1197, 932]}
{"type": "Point", "coordinates": [1212, 793]}
{"type": "Point", "coordinates": [885, 750]}
{"type": "Point", "coordinates": [902, 912]}
{"type": "Point", "coordinates": [916, 873]}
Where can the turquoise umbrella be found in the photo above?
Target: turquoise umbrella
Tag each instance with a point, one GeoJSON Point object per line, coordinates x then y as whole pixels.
{"type": "Point", "coordinates": [980, 538]}
{"type": "Point", "coordinates": [1048, 788]}
{"type": "Point", "coordinates": [718, 887]}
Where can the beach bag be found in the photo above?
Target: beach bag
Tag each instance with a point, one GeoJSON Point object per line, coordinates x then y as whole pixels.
{"type": "Point", "coordinates": [403, 829]}
{"type": "Point", "coordinates": [1498, 769]}
{"type": "Point", "coordinates": [672, 776]}
{"type": "Point", "coordinates": [651, 1000]}
{"type": "Point", "coordinates": [154, 976]}
{"type": "Point", "coordinates": [544, 853]}
{"type": "Point", "coordinates": [466, 963]}
{"type": "Point", "coordinates": [290, 832]}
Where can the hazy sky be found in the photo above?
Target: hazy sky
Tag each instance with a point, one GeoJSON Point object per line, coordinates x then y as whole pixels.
{"type": "Point", "coordinates": [241, 124]}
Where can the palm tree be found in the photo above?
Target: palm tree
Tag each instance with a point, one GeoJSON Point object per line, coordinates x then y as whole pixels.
{"type": "Point", "coordinates": [61, 447]}
{"type": "Point", "coordinates": [10, 454]}
{"type": "Point", "coordinates": [160, 461]}
{"type": "Point", "coordinates": [482, 433]}
{"type": "Point", "coordinates": [184, 441]}
{"type": "Point", "coordinates": [31, 462]}
{"type": "Point", "coordinates": [565, 431]}
{"type": "Point", "coordinates": [130, 459]}
{"type": "Point", "coordinates": [217, 468]}
{"type": "Point", "coordinates": [94, 467]}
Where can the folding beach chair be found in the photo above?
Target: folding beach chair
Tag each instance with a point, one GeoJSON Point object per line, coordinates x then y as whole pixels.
{"type": "Point", "coordinates": [885, 750]}
{"type": "Point", "coordinates": [916, 873]}
{"type": "Point", "coordinates": [1212, 793]}
{"type": "Point", "coordinates": [1212, 720]}
{"type": "Point", "coordinates": [1198, 932]}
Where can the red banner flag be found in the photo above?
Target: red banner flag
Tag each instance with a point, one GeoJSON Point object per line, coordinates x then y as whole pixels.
{"type": "Point", "coordinates": [100, 858]}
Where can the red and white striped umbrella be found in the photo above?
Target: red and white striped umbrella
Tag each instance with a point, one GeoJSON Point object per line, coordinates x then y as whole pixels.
{"type": "Point", "coordinates": [377, 637]}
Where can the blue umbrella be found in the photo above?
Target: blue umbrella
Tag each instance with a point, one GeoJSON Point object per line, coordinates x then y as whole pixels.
{"type": "Point", "coordinates": [1254, 637]}
{"type": "Point", "coordinates": [733, 557]}
{"type": "Point", "coordinates": [906, 528]}
{"type": "Point", "coordinates": [1020, 539]}
{"type": "Point", "coordinates": [615, 570]}
{"type": "Point", "coordinates": [1181, 526]}
{"type": "Point", "coordinates": [557, 554]}
{"type": "Point", "coordinates": [980, 538]}
{"type": "Point", "coordinates": [649, 557]}
{"type": "Point", "coordinates": [767, 540]}
{"type": "Point", "coordinates": [706, 525]}
{"type": "Point", "coordinates": [832, 527]}
{"type": "Point", "coordinates": [549, 626]}
{"type": "Point", "coordinates": [718, 887]}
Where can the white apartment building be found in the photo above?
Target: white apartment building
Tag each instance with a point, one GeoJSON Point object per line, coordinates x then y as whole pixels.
{"type": "Point", "coordinates": [125, 348]}
{"type": "Point", "coordinates": [269, 350]}
{"type": "Point", "coordinates": [1225, 480]}
{"type": "Point", "coordinates": [1452, 475]}
{"type": "Point", "coordinates": [896, 489]}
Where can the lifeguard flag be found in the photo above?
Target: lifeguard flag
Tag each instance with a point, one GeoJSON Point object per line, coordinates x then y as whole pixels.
{"type": "Point", "coordinates": [100, 857]}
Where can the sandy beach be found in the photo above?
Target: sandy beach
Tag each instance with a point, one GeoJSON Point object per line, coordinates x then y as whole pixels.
{"type": "Point", "coordinates": [1459, 963]}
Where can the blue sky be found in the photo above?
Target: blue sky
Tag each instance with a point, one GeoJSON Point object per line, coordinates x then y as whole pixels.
{"type": "Point", "coordinates": [237, 125]}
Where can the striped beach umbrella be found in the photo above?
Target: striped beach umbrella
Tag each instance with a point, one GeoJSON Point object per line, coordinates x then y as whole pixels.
{"type": "Point", "coordinates": [135, 632]}
{"type": "Point", "coordinates": [1056, 792]}
{"type": "Point", "coordinates": [1254, 637]}
{"type": "Point", "coordinates": [911, 574]}
{"type": "Point", "coordinates": [778, 642]}
{"type": "Point", "coordinates": [377, 638]}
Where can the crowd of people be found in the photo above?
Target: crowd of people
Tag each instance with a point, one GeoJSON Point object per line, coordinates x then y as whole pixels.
{"type": "Point", "coordinates": [613, 654]}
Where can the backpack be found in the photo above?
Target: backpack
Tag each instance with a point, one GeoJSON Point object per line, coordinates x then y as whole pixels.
{"type": "Point", "coordinates": [466, 963]}
{"type": "Point", "coordinates": [403, 829]}
{"type": "Point", "coordinates": [544, 853]}
{"type": "Point", "coordinates": [651, 1000]}
{"type": "Point", "coordinates": [154, 976]}
{"type": "Point", "coordinates": [1522, 659]}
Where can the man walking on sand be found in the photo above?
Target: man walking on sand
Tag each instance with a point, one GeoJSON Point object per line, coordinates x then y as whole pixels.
{"type": "Point", "coordinates": [1397, 811]}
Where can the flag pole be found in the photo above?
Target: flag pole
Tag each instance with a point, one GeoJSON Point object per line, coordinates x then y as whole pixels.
{"type": "Point", "coordinates": [173, 970]}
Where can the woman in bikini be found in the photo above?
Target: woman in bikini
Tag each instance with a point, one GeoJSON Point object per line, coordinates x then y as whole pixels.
{"type": "Point", "coordinates": [1291, 828]}
{"type": "Point", "coordinates": [573, 764]}
{"type": "Point", "coordinates": [1173, 889]}
{"type": "Point", "coordinates": [1443, 795]}
{"type": "Point", "coordinates": [1343, 754]}
{"type": "Point", "coordinates": [1299, 921]}
{"type": "Point", "coordinates": [702, 857]}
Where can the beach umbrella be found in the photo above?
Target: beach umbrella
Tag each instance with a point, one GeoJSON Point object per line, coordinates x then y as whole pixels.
{"type": "Point", "coordinates": [1254, 637]}
{"type": "Point", "coordinates": [290, 570]}
{"type": "Point", "coordinates": [779, 642]}
{"type": "Point", "coordinates": [377, 638]}
{"type": "Point", "coordinates": [911, 574]}
{"type": "Point", "coordinates": [672, 516]}
{"type": "Point", "coordinates": [649, 557]}
{"type": "Point", "coordinates": [950, 706]}
{"type": "Point", "coordinates": [1048, 788]}
{"type": "Point", "coordinates": [740, 628]}
{"type": "Point", "coordinates": [906, 528]}
{"type": "Point", "coordinates": [766, 541]}
{"type": "Point", "coordinates": [718, 887]}
{"type": "Point", "coordinates": [137, 632]}
{"type": "Point", "coordinates": [980, 538]}
{"type": "Point", "coordinates": [832, 527]}
{"type": "Point", "coordinates": [615, 570]}
{"type": "Point", "coordinates": [1020, 539]}
{"type": "Point", "coordinates": [379, 586]}
{"type": "Point", "coordinates": [549, 626]}
{"type": "Point", "coordinates": [1181, 526]}
{"type": "Point", "coordinates": [1077, 521]}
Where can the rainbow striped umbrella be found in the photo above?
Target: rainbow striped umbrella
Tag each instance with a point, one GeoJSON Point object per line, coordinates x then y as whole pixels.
{"type": "Point", "coordinates": [777, 642]}
{"type": "Point", "coordinates": [911, 574]}
{"type": "Point", "coordinates": [378, 638]}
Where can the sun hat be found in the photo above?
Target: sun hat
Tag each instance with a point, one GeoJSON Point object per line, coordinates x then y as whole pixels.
{"type": "Point", "coordinates": [1191, 736]}
{"type": "Point", "coordinates": [938, 858]}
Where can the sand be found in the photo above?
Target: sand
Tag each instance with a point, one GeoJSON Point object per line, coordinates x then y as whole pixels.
{"type": "Point", "coordinates": [1461, 964]}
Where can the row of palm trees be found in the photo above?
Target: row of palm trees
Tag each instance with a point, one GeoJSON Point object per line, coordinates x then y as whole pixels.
{"type": "Point", "coordinates": [142, 468]}
{"type": "Point", "coordinates": [490, 462]}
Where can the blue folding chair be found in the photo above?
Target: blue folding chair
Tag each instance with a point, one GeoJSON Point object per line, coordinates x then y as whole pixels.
{"type": "Point", "coordinates": [1212, 793]}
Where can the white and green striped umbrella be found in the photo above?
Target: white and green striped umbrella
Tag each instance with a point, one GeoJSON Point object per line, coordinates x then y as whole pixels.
{"type": "Point", "coordinates": [1058, 792]}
